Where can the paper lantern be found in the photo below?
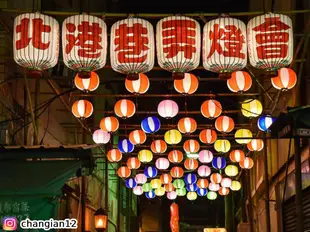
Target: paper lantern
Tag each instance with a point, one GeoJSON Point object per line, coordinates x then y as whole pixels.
{"type": "Point", "coordinates": [181, 192]}
{"type": "Point", "coordinates": [147, 187]}
{"type": "Point", "coordinates": [150, 172]}
{"type": "Point", "coordinates": [204, 171]}
{"type": "Point", "coordinates": [139, 86]}
{"type": "Point", "coordinates": [203, 183]}
{"type": "Point", "coordinates": [36, 42]}
{"type": "Point", "coordinates": [226, 182]}
{"type": "Point", "coordinates": [138, 191]}
{"type": "Point", "coordinates": [214, 187]}
{"type": "Point", "coordinates": [216, 178]}
{"type": "Point", "coordinates": [231, 170]}
{"type": "Point", "coordinates": [162, 163]}
{"type": "Point", "coordinates": [133, 163]}
{"type": "Point", "coordinates": [235, 185]}
{"type": "Point", "coordinates": [166, 178]}
{"type": "Point", "coordinates": [145, 156]}
{"type": "Point", "coordinates": [255, 145]}
{"type": "Point", "coordinates": [222, 145]}
{"type": "Point", "coordinates": [251, 108]}
{"type": "Point", "coordinates": [84, 43]}
{"type": "Point", "coordinates": [202, 192]}
{"type": "Point", "coordinates": [173, 137]}
{"type": "Point", "coordinates": [285, 80]}
{"type": "Point", "coordinates": [188, 85]}
{"type": "Point", "coordinates": [176, 172]}
{"type": "Point", "coordinates": [219, 163]}
{"type": "Point", "coordinates": [224, 124]}
{"type": "Point", "coordinates": [141, 178]}
{"type": "Point", "coordinates": [130, 183]}
{"type": "Point", "coordinates": [264, 122]}
{"type": "Point", "coordinates": [224, 46]}
{"type": "Point", "coordinates": [191, 196]}
{"type": "Point", "coordinates": [172, 195]}
{"type": "Point", "coordinates": [223, 191]}
{"type": "Point", "coordinates": [150, 125]}
{"type": "Point", "coordinates": [156, 183]}
{"type": "Point", "coordinates": [125, 146]}
{"type": "Point", "coordinates": [191, 187]}
{"type": "Point", "coordinates": [270, 41]}
{"type": "Point", "coordinates": [187, 125]}
{"type": "Point", "coordinates": [101, 137]}
{"type": "Point", "coordinates": [211, 195]}
{"type": "Point", "coordinates": [132, 47]}
{"type": "Point", "coordinates": [207, 136]}
{"type": "Point", "coordinates": [109, 124]}
{"type": "Point", "coordinates": [211, 109]}
{"type": "Point", "coordinates": [168, 109]}
{"type": "Point", "coordinates": [178, 44]}
{"type": "Point", "coordinates": [178, 183]}
{"type": "Point", "coordinates": [87, 84]}
{"type": "Point", "coordinates": [243, 136]}
{"type": "Point", "coordinates": [123, 172]}
{"type": "Point", "coordinates": [236, 156]}
{"type": "Point", "coordinates": [124, 108]}
{"type": "Point", "coordinates": [82, 109]}
{"type": "Point", "coordinates": [114, 155]}
{"type": "Point", "coordinates": [191, 146]}
{"type": "Point", "coordinates": [158, 146]}
{"type": "Point", "coordinates": [190, 178]}
{"type": "Point", "coordinates": [247, 163]}
{"type": "Point", "coordinates": [205, 156]}
{"type": "Point", "coordinates": [191, 164]}
{"type": "Point", "coordinates": [175, 156]}
{"type": "Point", "coordinates": [169, 187]}
{"type": "Point", "coordinates": [150, 195]}
{"type": "Point", "coordinates": [239, 82]}
{"type": "Point", "coordinates": [137, 137]}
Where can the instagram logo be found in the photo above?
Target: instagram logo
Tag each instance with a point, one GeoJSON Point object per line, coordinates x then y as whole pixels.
{"type": "Point", "coordinates": [9, 223]}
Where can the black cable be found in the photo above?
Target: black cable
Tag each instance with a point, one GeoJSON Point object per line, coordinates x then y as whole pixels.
{"type": "Point", "coordinates": [273, 2]}
{"type": "Point", "coordinates": [287, 165]}
{"type": "Point", "coordinates": [47, 124]}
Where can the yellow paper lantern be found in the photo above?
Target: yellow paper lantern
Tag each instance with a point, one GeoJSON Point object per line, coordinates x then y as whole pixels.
{"type": "Point", "coordinates": [222, 145]}
{"type": "Point", "coordinates": [231, 170]}
{"type": "Point", "coordinates": [145, 156]}
{"type": "Point", "coordinates": [173, 137]}
{"type": "Point", "coordinates": [251, 108]}
{"type": "Point", "coordinates": [191, 196]}
{"type": "Point", "coordinates": [235, 185]}
{"type": "Point", "coordinates": [243, 136]}
{"type": "Point", "coordinates": [160, 191]}
{"type": "Point", "coordinates": [156, 183]}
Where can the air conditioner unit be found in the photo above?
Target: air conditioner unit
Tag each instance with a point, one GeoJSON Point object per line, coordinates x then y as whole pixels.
{"type": "Point", "coordinates": [244, 227]}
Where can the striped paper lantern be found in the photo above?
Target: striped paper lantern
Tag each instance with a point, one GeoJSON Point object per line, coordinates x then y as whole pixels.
{"type": "Point", "coordinates": [137, 137]}
{"type": "Point", "coordinates": [203, 183]}
{"type": "Point", "coordinates": [173, 137]}
{"type": "Point", "coordinates": [191, 164]}
{"type": "Point", "coordinates": [211, 109]}
{"type": "Point", "coordinates": [264, 122]}
{"type": "Point", "coordinates": [145, 156]}
{"type": "Point", "coordinates": [141, 178]}
{"type": "Point", "coordinates": [123, 172]}
{"type": "Point", "coordinates": [175, 156]}
{"type": "Point", "coordinates": [223, 191]}
{"type": "Point", "coordinates": [130, 183]}
{"type": "Point", "coordinates": [188, 85]}
{"type": "Point", "coordinates": [139, 86]}
{"type": "Point", "coordinates": [168, 109]}
{"type": "Point", "coordinates": [177, 172]}
{"type": "Point", "coordinates": [187, 125]}
{"type": "Point", "coordinates": [109, 124]}
{"type": "Point", "coordinates": [204, 171]}
{"type": "Point", "coordinates": [156, 183]}
{"type": "Point", "coordinates": [124, 108]}
{"type": "Point", "coordinates": [87, 84]}
{"type": "Point", "coordinates": [255, 145]}
{"type": "Point", "coordinates": [239, 82]}
{"type": "Point", "coordinates": [150, 195]}
{"type": "Point", "coordinates": [114, 155]}
{"type": "Point", "coordinates": [181, 192]}
{"type": "Point", "coordinates": [178, 183]}
{"type": "Point", "coordinates": [150, 125]}
{"type": "Point", "coordinates": [133, 163]}
{"type": "Point", "coordinates": [202, 192]}
{"type": "Point", "coordinates": [162, 163]}
{"type": "Point", "coordinates": [215, 178]}
{"type": "Point", "coordinates": [101, 137]}
{"type": "Point", "coordinates": [207, 136]}
{"type": "Point", "coordinates": [125, 146]}
{"type": "Point", "coordinates": [190, 178]}
{"type": "Point", "coordinates": [166, 178]}
{"type": "Point", "coordinates": [158, 146]}
{"type": "Point", "coordinates": [150, 172]}
{"type": "Point", "coordinates": [247, 163]}
{"type": "Point", "coordinates": [205, 156]}
{"type": "Point", "coordinates": [285, 80]}
{"type": "Point", "coordinates": [251, 108]}
{"type": "Point", "coordinates": [191, 146]}
{"type": "Point", "coordinates": [224, 124]}
{"type": "Point", "coordinates": [222, 145]}
{"type": "Point", "coordinates": [191, 187]}
{"type": "Point", "coordinates": [82, 109]}
{"type": "Point", "coordinates": [243, 136]}
{"type": "Point", "coordinates": [236, 156]}
{"type": "Point", "coordinates": [169, 187]}
{"type": "Point", "coordinates": [219, 163]}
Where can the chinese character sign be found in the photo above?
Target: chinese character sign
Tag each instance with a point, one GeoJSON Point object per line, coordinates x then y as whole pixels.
{"type": "Point", "coordinates": [270, 41]}
{"type": "Point", "coordinates": [178, 44]}
{"type": "Point", "coordinates": [224, 48]}
{"type": "Point", "coordinates": [36, 41]}
{"type": "Point", "coordinates": [132, 47]}
{"type": "Point", "coordinates": [84, 43]}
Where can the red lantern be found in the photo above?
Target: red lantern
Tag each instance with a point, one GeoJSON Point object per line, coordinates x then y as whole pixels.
{"type": "Point", "coordinates": [169, 187]}
{"type": "Point", "coordinates": [158, 146]}
{"type": "Point", "coordinates": [236, 156]}
{"type": "Point", "coordinates": [133, 163]}
{"type": "Point", "coordinates": [191, 164]}
{"type": "Point", "coordinates": [87, 84]}
{"type": "Point", "coordinates": [124, 108]}
{"type": "Point", "coordinates": [187, 125]}
{"type": "Point", "coordinates": [175, 156]}
{"type": "Point", "coordinates": [109, 124]}
{"type": "Point", "coordinates": [166, 178]}
{"type": "Point", "coordinates": [224, 124]}
{"type": "Point", "coordinates": [239, 82]}
{"type": "Point", "coordinates": [285, 80]}
{"type": "Point", "coordinates": [177, 172]}
{"type": "Point", "coordinates": [137, 137]}
{"type": "Point", "coordinates": [203, 183]}
{"type": "Point", "coordinates": [247, 163]}
{"type": "Point", "coordinates": [216, 178]}
{"type": "Point", "coordinates": [211, 109]}
{"type": "Point", "coordinates": [255, 145]}
{"type": "Point", "coordinates": [188, 85]}
{"type": "Point", "coordinates": [123, 172]}
{"type": "Point", "coordinates": [224, 191]}
{"type": "Point", "coordinates": [139, 86]}
{"type": "Point", "coordinates": [114, 155]}
{"type": "Point", "coordinates": [82, 109]}
{"type": "Point", "coordinates": [191, 146]}
{"type": "Point", "coordinates": [207, 136]}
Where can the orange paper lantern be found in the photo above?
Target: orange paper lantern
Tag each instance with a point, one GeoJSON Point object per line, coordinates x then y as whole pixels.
{"type": "Point", "coordinates": [187, 125]}
{"type": "Point", "coordinates": [124, 108]}
{"type": "Point", "coordinates": [177, 172]}
{"type": "Point", "coordinates": [191, 146]}
{"type": "Point", "coordinates": [188, 85]}
{"type": "Point", "coordinates": [236, 156]}
{"type": "Point", "coordinates": [166, 178]}
{"type": "Point", "coordinates": [203, 183]}
{"type": "Point", "coordinates": [175, 156]}
{"type": "Point", "coordinates": [137, 137]}
{"type": "Point", "coordinates": [191, 164]}
{"type": "Point", "coordinates": [109, 124]}
{"type": "Point", "coordinates": [158, 146]}
{"type": "Point", "coordinates": [239, 82]}
{"type": "Point", "coordinates": [216, 178]}
{"type": "Point", "coordinates": [211, 109]}
{"type": "Point", "coordinates": [87, 84]}
{"type": "Point", "coordinates": [139, 86]}
{"type": "Point", "coordinates": [247, 163]}
{"type": "Point", "coordinates": [114, 155]}
{"type": "Point", "coordinates": [133, 163]}
{"type": "Point", "coordinates": [285, 80]}
{"type": "Point", "coordinates": [224, 124]}
{"type": "Point", "coordinates": [123, 172]}
{"type": "Point", "coordinates": [82, 109]}
{"type": "Point", "coordinates": [255, 145]}
{"type": "Point", "coordinates": [207, 136]}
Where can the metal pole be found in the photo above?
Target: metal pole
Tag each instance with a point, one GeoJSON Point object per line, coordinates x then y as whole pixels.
{"type": "Point", "coordinates": [107, 190]}
{"type": "Point", "coordinates": [25, 117]}
{"type": "Point", "coordinates": [83, 203]}
{"type": "Point", "coordinates": [267, 189]}
{"type": "Point", "coordinates": [36, 103]}
{"type": "Point", "coordinates": [250, 204]}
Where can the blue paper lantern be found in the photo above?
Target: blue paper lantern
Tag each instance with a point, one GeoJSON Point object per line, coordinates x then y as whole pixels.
{"type": "Point", "coordinates": [150, 124]}
{"type": "Point", "coordinates": [264, 122]}
{"type": "Point", "coordinates": [130, 183]}
{"type": "Point", "coordinates": [219, 162]}
{"type": "Point", "coordinates": [190, 178]}
{"type": "Point", "coordinates": [125, 146]}
{"type": "Point", "coordinates": [191, 187]}
{"type": "Point", "coordinates": [150, 172]}
{"type": "Point", "coordinates": [202, 192]}
{"type": "Point", "coordinates": [150, 195]}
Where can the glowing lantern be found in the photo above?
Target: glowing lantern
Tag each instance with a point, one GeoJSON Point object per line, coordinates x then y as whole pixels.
{"type": "Point", "coordinates": [36, 42]}
{"type": "Point", "coordinates": [181, 192]}
{"type": "Point", "coordinates": [188, 85]}
{"type": "Point", "coordinates": [176, 172]}
{"type": "Point", "coordinates": [190, 178]}
{"type": "Point", "coordinates": [224, 124]}
{"type": "Point", "coordinates": [192, 187]}
{"type": "Point", "coordinates": [211, 195]}
{"type": "Point", "coordinates": [243, 136]}
{"type": "Point", "coordinates": [285, 80]}
{"type": "Point", "coordinates": [132, 47]}
{"type": "Point", "coordinates": [216, 178]}
{"type": "Point", "coordinates": [80, 54]}
{"type": "Point", "coordinates": [172, 195]}
{"type": "Point", "coordinates": [150, 125]}
{"type": "Point", "coordinates": [226, 182]}
{"type": "Point", "coordinates": [114, 155]}
{"type": "Point", "coordinates": [169, 187]}
{"type": "Point", "coordinates": [205, 156]}
{"type": "Point", "coordinates": [264, 122]}
{"type": "Point", "coordinates": [141, 178]}
{"type": "Point", "coordinates": [224, 46]}
{"type": "Point", "coordinates": [101, 137]}
{"type": "Point", "coordinates": [158, 146]}
{"type": "Point", "coordinates": [130, 183]}
{"type": "Point", "coordinates": [138, 191]}
{"type": "Point", "coordinates": [82, 109]}
{"type": "Point", "coordinates": [173, 137]}
{"type": "Point", "coordinates": [162, 163]}
{"type": "Point", "coordinates": [222, 145]}
{"type": "Point", "coordinates": [219, 162]}
{"type": "Point", "coordinates": [266, 52]}
{"type": "Point", "coordinates": [203, 183]}
{"type": "Point", "coordinates": [187, 125]}
{"type": "Point", "coordinates": [175, 156]}
{"type": "Point", "coordinates": [247, 163]}
{"type": "Point", "coordinates": [124, 108]}
{"type": "Point", "coordinates": [166, 178]}
{"type": "Point", "coordinates": [207, 136]}
{"type": "Point", "coordinates": [235, 185]}
{"type": "Point", "coordinates": [256, 145]}
{"type": "Point", "coordinates": [139, 86]}
{"type": "Point", "coordinates": [147, 187]}
{"type": "Point", "coordinates": [168, 109]}
{"type": "Point", "coordinates": [87, 84]}
{"type": "Point", "coordinates": [150, 195]}
{"type": "Point", "coordinates": [211, 109]}
{"type": "Point", "coordinates": [178, 44]}
{"type": "Point", "coordinates": [125, 146]}
{"type": "Point", "coordinates": [156, 183]}
{"type": "Point", "coordinates": [137, 137]}
{"type": "Point", "coordinates": [191, 196]}
{"type": "Point", "coordinates": [204, 171]}
{"type": "Point", "coordinates": [178, 183]}
{"type": "Point", "coordinates": [202, 192]}
{"type": "Point", "coordinates": [251, 108]}
{"type": "Point", "coordinates": [109, 124]}
{"type": "Point", "coordinates": [236, 156]}
{"type": "Point", "coordinates": [191, 146]}
{"type": "Point", "coordinates": [133, 163]}
{"type": "Point", "coordinates": [123, 172]}
{"type": "Point", "coordinates": [214, 187]}
{"type": "Point", "coordinates": [239, 82]}
{"type": "Point", "coordinates": [231, 170]}
{"type": "Point", "coordinates": [191, 164]}
{"type": "Point", "coordinates": [224, 191]}
{"type": "Point", "coordinates": [145, 156]}
{"type": "Point", "coordinates": [150, 172]}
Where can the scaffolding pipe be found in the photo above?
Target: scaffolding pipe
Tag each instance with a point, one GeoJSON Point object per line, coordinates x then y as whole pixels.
{"type": "Point", "coordinates": [267, 187]}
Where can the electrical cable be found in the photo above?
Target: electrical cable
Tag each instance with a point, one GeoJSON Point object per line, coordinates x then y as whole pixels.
{"type": "Point", "coordinates": [47, 124]}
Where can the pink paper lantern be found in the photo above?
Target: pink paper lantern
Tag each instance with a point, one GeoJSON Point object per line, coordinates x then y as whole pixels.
{"type": "Point", "coordinates": [226, 182]}
{"type": "Point", "coordinates": [101, 137]}
{"type": "Point", "coordinates": [205, 156]}
{"type": "Point", "coordinates": [141, 178]}
{"type": "Point", "coordinates": [162, 163]}
{"type": "Point", "coordinates": [168, 109]}
{"type": "Point", "coordinates": [204, 171]}
{"type": "Point", "coordinates": [214, 187]}
{"type": "Point", "coordinates": [138, 190]}
{"type": "Point", "coordinates": [172, 195]}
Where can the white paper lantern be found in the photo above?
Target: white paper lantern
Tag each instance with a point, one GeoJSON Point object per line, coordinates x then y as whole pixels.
{"type": "Point", "coordinates": [101, 137]}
